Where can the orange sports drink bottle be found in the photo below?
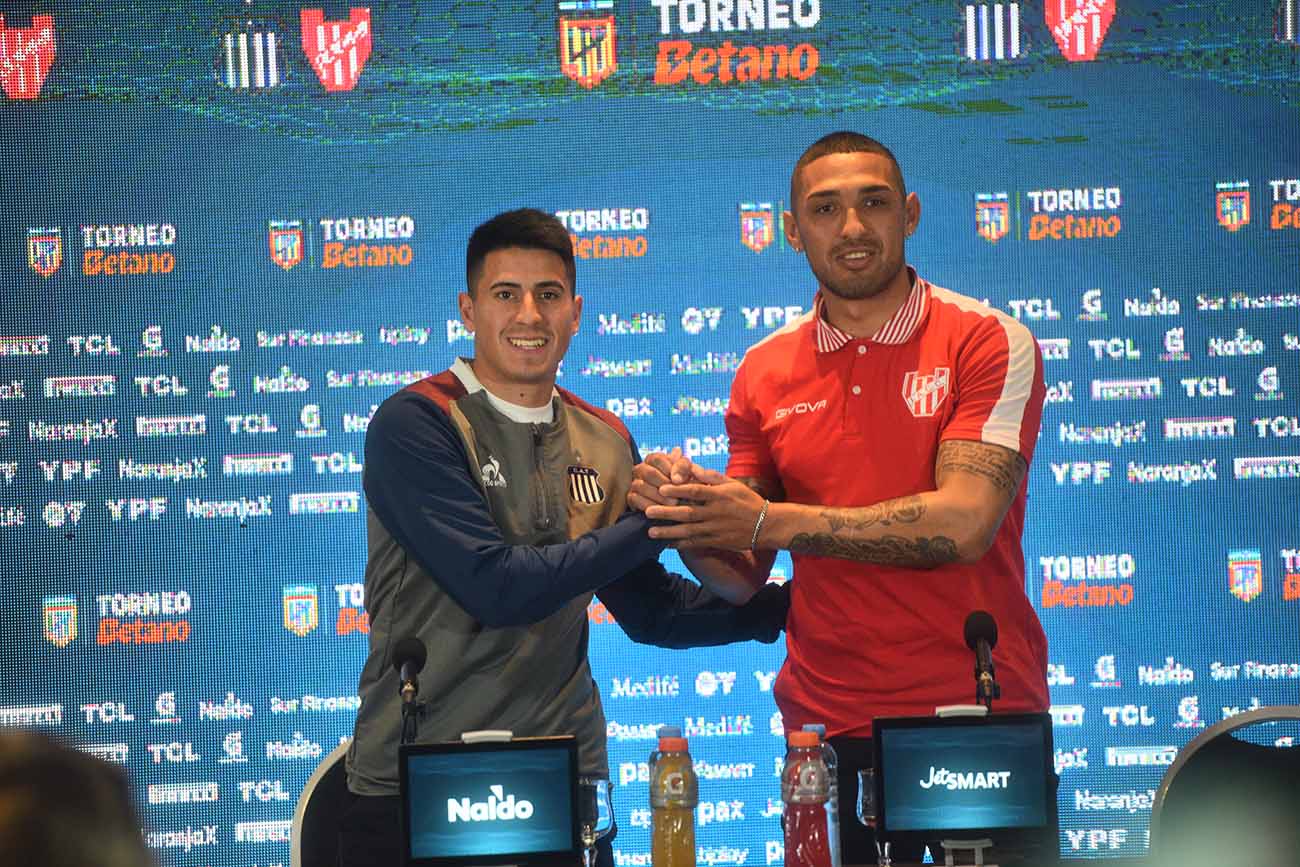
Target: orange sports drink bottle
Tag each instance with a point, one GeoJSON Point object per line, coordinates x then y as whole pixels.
{"type": "Point", "coordinates": [674, 792]}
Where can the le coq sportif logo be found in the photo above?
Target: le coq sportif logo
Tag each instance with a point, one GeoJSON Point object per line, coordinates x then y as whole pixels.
{"type": "Point", "coordinates": [499, 807]}
{"type": "Point", "coordinates": [953, 780]}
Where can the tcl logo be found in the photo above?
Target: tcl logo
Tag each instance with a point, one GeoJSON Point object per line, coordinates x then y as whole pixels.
{"type": "Point", "coordinates": [800, 408]}
{"type": "Point", "coordinates": [265, 791]}
{"type": "Point", "coordinates": [174, 752]}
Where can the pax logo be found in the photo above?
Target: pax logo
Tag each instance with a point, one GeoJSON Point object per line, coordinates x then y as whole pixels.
{"type": "Point", "coordinates": [925, 393]}
{"type": "Point", "coordinates": [26, 54]}
{"type": "Point", "coordinates": [337, 50]}
{"type": "Point", "coordinates": [499, 807]}
{"type": "Point", "coordinates": [801, 408]}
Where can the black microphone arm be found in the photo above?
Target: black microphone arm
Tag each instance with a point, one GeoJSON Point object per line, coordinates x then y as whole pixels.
{"type": "Point", "coordinates": [982, 636]}
{"type": "Point", "coordinates": [409, 656]}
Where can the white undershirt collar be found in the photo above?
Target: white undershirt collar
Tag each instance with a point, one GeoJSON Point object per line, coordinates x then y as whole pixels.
{"type": "Point", "coordinates": [512, 411]}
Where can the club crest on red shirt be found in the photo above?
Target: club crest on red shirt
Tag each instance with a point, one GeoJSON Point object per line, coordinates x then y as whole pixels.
{"type": "Point", "coordinates": [926, 392]}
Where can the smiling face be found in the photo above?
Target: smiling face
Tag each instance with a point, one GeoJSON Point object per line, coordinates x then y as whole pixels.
{"type": "Point", "coordinates": [850, 218]}
{"type": "Point", "coordinates": [523, 314]}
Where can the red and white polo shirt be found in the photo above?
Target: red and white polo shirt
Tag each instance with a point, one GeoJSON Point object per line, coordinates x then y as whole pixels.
{"type": "Point", "coordinates": [844, 421]}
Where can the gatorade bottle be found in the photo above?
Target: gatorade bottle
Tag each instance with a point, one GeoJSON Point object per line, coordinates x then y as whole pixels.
{"type": "Point", "coordinates": [664, 732]}
{"type": "Point", "coordinates": [805, 789]}
{"type": "Point", "coordinates": [674, 792]}
{"type": "Point", "coordinates": [833, 801]}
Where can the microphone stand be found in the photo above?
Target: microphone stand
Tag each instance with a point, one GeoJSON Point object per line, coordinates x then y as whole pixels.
{"type": "Point", "coordinates": [986, 688]}
{"type": "Point", "coordinates": [410, 711]}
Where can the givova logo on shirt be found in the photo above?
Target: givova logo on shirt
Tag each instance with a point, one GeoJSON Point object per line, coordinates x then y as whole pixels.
{"type": "Point", "coordinates": [491, 472]}
{"type": "Point", "coordinates": [925, 393]}
{"type": "Point", "coordinates": [498, 807]}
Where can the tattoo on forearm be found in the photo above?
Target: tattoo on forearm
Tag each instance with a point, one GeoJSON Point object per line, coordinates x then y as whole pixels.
{"type": "Point", "coordinates": [887, 550]}
{"type": "Point", "coordinates": [1001, 466]}
{"type": "Point", "coordinates": [904, 510]}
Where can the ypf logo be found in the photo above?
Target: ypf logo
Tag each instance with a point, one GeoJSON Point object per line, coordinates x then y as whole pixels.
{"type": "Point", "coordinates": [1079, 26]}
{"type": "Point", "coordinates": [925, 393]}
{"type": "Point", "coordinates": [26, 54]}
{"type": "Point", "coordinates": [337, 50]}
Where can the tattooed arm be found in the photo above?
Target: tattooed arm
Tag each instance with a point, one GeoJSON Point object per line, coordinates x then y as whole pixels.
{"type": "Point", "coordinates": [975, 484]}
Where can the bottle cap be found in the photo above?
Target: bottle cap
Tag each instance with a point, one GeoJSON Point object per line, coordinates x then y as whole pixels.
{"type": "Point", "coordinates": [672, 745]}
{"type": "Point", "coordinates": [803, 739]}
{"type": "Point", "coordinates": [670, 731]}
{"type": "Point", "coordinates": [815, 727]}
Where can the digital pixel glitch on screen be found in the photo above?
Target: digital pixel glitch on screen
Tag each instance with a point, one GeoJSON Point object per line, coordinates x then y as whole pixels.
{"type": "Point", "coordinates": [233, 229]}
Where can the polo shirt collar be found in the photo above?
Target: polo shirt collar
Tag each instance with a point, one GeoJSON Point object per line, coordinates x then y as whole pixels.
{"type": "Point", "coordinates": [899, 328]}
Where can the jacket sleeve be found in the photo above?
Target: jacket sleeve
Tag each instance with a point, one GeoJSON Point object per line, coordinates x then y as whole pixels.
{"type": "Point", "coordinates": [417, 481]}
{"type": "Point", "coordinates": [655, 606]}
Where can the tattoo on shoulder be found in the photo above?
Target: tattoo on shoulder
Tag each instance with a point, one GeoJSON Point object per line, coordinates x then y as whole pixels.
{"type": "Point", "coordinates": [889, 550]}
{"type": "Point", "coordinates": [904, 510]}
{"type": "Point", "coordinates": [1001, 466]}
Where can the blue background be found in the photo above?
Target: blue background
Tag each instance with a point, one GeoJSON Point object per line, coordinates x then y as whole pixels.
{"type": "Point", "coordinates": [461, 112]}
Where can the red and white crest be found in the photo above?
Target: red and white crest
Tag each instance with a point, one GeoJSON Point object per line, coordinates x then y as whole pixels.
{"type": "Point", "coordinates": [1079, 26]}
{"type": "Point", "coordinates": [337, 50]}
{"type": "Point", "coordinates": [26, 54]}
{"type": "Point", "coordinates": [925, 393]}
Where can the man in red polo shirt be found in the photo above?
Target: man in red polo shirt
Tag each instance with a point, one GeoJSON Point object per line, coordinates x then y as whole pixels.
{"type": "Point", "coordinates": [883, 439]}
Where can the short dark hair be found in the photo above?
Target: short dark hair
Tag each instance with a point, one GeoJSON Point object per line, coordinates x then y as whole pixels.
{"type": "Point", "coordinates": [60, 807]}
{"type": "Point", "coordinates": [844, 142]}
{"type": "Point", "coordinates": [528, 228]}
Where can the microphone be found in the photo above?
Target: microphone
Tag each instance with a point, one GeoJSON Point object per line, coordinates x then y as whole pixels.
{"type": "Point", "coordinates": [408, 659]}
{"type": "Point", "coordinates": [982, 637]}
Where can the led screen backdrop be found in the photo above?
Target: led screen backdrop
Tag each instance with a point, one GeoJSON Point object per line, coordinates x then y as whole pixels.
{"type": "Point", "coordinates": [233, 228]}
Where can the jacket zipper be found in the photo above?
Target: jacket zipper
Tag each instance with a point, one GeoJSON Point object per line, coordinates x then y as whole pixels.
{"type": "Point", "coordinates": [542, 513]}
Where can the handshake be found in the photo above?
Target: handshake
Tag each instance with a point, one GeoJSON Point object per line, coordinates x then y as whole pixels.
{"type": "Point", "coordinates": [695, 507]}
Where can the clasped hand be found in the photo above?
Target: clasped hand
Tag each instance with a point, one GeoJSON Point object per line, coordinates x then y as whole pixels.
{"type": "Point", "coordinates": [706, 509]}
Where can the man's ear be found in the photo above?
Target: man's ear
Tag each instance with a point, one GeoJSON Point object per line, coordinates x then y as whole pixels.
{"type": "Point", "coordinates": [465, 302]}
{"type": "Point", "coordinates": [791, 231]}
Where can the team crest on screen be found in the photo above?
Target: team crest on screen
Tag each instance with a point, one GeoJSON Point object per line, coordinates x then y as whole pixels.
{"type": "Point", "coordinates": [301, 608]}
{"type": "Point", "coordinates": [1286, 23]}
{"type": "Point", "coordinates": [59, 615]}
{"type": "Point", "coordinates": [584, 485]}
{"type": "Point", "coordinates": [336, 50]}
{"type": "Point", "coordinates": [1232, 204]}
{"type": "Point", "coordinates": [250, 56]}
{"type": "Point", "coordinates": [1079, 26]}
{"type": "Point", "coordinates": [44, 250]}
{"type": "Point", "coordinates": [284, 237]}
{"type": "Point", "coordinates": [26, 54]}
{"type": "Point", "coordinates": [992, 31]}
{"type": "Point", "coordinates": [992, 216]}
{"type": "Point", "coordinates": [757, 225]}
{"type": "Point", "coordinates": [1245, 573]}
{"type": "Point", "coordinates": [588, 45]}
{"type": "Point", "coordinates": [925, 393]}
